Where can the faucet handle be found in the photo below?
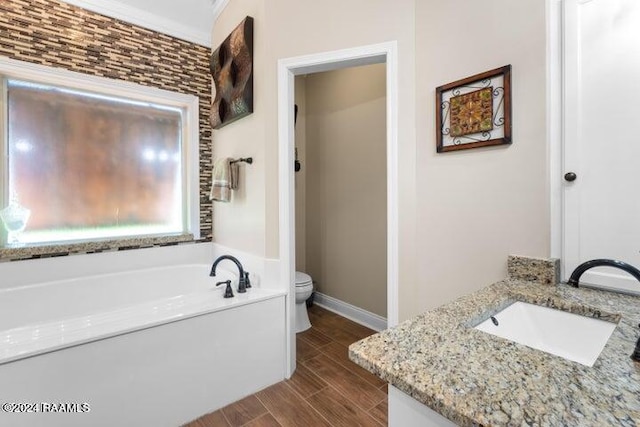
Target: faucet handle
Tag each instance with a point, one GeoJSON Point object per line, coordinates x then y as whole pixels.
{"type": "Point", "coordinates": [228, 292]}
{"type": "Point", "coordinates": [247, 282]}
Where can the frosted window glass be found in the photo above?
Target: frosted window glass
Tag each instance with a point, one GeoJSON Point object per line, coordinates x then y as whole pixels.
{"type": "Point", "coordinates": [90, 167]}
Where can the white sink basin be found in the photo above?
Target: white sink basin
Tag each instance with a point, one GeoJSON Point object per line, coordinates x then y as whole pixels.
{"type": "Point", "coordinates": [574, 337]}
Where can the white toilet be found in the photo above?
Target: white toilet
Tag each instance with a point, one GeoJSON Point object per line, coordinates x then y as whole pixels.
{"type": "Point", "coordinates": [304, 288]}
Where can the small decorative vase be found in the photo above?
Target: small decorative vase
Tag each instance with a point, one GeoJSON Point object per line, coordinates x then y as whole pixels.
{"type": "Point", "coordinates": [15, 218]}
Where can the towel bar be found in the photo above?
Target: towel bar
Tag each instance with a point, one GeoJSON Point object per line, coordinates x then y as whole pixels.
{"type": "Point", "coordinates": [248, 160]}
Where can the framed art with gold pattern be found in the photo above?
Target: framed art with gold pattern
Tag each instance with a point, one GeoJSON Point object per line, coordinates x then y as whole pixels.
{"type": "Point", "coordinates": [474, 112]}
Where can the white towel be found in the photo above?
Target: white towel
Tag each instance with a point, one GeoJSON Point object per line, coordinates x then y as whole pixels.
{"type": "Point", "coordinates": [221, 181]}
{"type": "Point", "coordinates": [225, 179]}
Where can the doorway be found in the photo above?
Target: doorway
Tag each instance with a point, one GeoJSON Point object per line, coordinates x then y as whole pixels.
{"type": "Point", "coordinates": [287, 70]}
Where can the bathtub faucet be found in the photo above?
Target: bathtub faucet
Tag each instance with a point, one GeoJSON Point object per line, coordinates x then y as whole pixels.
{"type": "Point", "coordinates": [243, 278]}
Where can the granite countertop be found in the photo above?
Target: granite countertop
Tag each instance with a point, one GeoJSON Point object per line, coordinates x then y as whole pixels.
{"type": "Point", "coordinates": [473, 378]}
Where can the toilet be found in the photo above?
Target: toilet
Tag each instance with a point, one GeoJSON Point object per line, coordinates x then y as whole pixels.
{"type": "Point", "coordinates": [304, 288]}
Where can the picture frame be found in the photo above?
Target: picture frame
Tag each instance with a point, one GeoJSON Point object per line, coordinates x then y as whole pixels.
{"type": "Point", "coordinates": [231, 66]}
{"type": "Point", "coordinates": [474, 112]}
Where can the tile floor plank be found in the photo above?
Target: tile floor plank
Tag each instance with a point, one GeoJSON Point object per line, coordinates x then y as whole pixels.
{"type": "Point", "coordinates": [339, 335]}
{"type": "Point", "coordinates": [381, 413]}
{"type": "Point", "coordinates": [343, 337]}
{"type": "Point", "coordinates": [324, 322]}
{"type": "Point", "coordinates": [288, 408]}
{"type": "Point", "coordinates": [316, 310]}
{"type": "Point", "coordinates": [340, 353]}
{"type": "Point", "coordinates": [315, 337]}
{"type": "Point", "coordinates": [346, 382]}
{"type": "Point", "coordinates": [264, 421]}
{"type": "Point", "coordinates": [339, 411]}
{"type": "Point", "coordinates": [304, 382]}
{"type": "Point", "coordinates": [354, 328]}
{"type": "Point", "coordinates": [243, 411]}
{"type": "Point", "coordinates": [214, 419]}
{"type": "Point", "coordinates": [305, 350]}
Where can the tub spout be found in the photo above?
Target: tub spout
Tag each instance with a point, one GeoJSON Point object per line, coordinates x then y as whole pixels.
{"type": "Point", "coordinates": [242, 278]}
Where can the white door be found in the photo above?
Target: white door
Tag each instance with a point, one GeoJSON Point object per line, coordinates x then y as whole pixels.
{"type": "Point", "coordinates": [602, 138]}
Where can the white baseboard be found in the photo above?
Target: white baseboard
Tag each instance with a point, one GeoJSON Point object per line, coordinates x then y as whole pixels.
{"type": "Point", "coordinates": [351, 312]}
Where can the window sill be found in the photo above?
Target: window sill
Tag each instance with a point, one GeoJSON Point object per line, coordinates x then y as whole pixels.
{"type": "Point", "coordinates": [51, 251]}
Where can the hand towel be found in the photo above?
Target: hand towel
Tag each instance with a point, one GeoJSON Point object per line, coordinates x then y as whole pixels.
{"type": "Point", "coordinates": [221, 181]}
{"type": "Point", "coordinates": [234, 174]}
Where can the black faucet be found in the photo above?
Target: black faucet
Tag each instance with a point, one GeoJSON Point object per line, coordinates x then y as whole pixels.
{"type": "Point", "coordinates": [243, 278]}
{"type": "Point", "coordinates": [636, 353]}
{"type": "Point", "coordinates": [575, 276]}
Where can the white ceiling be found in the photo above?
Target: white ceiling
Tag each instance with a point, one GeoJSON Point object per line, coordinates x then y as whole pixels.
{"type": "Point", "coordinates": [190, 20]}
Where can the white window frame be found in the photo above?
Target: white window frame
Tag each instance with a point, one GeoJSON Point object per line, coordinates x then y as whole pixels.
{"type": "Point", "coordinates": [189, 104]}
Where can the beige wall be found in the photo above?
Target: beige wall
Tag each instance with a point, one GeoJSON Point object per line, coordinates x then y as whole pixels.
{"type": "Point", "coordinates": [463, 213]}
{"type": "Point", "coordinates": [241, 223]}
{"type": "Point", "coordinates": [345, 171]}
{"type": "Point", "coordinates": [478, 206]}
{"type": "Point", "coordinates": [288, 28]}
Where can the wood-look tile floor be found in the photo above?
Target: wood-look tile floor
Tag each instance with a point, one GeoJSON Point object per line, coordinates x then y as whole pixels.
{"type": "Point", "coordinates": [327, 389]}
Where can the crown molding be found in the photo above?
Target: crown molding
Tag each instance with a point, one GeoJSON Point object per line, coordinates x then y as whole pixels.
{"type": "Point", "coordinates": [218, 7]}
{"type": "Point", "coordinates": [132, 15]}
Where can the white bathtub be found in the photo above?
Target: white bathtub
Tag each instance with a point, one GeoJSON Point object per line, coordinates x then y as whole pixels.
{"type": "Point", "coordinates": [154, 347]}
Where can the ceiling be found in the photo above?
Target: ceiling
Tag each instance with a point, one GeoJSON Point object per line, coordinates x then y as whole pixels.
{"type": "Point", "coordinates": [190, 20]}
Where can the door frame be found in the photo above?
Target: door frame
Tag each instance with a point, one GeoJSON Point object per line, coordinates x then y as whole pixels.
{"type": "Point", "coordinates": [562, 115]}
{"type": "Point", "coordinates": [555, 126]}
{"type": "Point", "coordinates": [288, 68]}
{"type": "Point", "coordinates": [571, 113]}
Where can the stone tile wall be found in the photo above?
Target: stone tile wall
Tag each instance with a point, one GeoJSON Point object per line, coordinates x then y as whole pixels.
{"type": "Point", "coordinates": [57, 34]}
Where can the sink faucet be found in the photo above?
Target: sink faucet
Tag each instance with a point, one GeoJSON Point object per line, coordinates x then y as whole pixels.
{"type": "Point", "coordinates": [243, 281]}
{"type": "Point", "coordinates": [575, 276]}
{"type": "Point", "coordinates": [636, 353]}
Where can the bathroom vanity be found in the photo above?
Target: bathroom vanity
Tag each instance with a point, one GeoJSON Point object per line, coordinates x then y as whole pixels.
{"type": "Point", "coordinates": [442, 371]}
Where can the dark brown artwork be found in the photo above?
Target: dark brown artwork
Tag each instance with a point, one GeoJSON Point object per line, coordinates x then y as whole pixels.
{"type": "Point", "coordinates": [232, 70]}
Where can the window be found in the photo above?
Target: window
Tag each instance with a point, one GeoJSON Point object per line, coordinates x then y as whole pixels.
{"type": "Point", "coordinates": [88, 158]}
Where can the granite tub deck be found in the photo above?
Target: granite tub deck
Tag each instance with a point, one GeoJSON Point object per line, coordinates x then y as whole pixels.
{"type": "Point", "coordinates": [472, 378]}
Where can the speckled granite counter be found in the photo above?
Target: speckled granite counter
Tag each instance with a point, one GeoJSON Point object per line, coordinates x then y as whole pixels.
{"type": "Point", "coordinates": [473, 378]}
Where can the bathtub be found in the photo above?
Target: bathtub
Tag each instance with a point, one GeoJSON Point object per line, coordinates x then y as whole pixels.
{"type": "Point", "coordinates": [153, 347]}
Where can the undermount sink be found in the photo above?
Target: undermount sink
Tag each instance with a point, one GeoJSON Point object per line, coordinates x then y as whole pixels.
{"type": "Point", "coordinates": [571, 336]}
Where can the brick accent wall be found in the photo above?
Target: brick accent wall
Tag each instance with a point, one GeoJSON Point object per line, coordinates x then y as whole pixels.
{"type": "Point", "coordinates": [61, 35]}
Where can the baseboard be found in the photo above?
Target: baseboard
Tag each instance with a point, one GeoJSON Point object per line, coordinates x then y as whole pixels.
{"type": "Point", "coordinates": [351, 312]}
